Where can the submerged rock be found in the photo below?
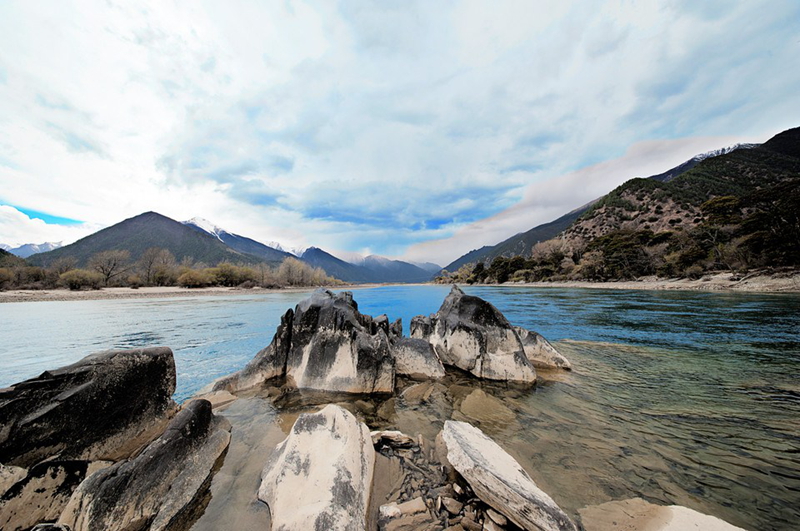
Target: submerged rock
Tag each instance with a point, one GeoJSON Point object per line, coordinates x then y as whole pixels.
{"type": "Point", "coordinates": [638, 515]}
{"type": "Point", "coordinates": [104, 407]}
{"type": "Point", "coordinates": [161, 487]}
{"type": "Point", "coordinates": [473, 335]}
{"type": "Point", "coordinates": [540, 352]}
{"type": "Point", "coordinates": [320, 476]}
{"type": "Point", "coordinates": [499, 480]}
{"type": "Point", "coordinates": [324, 344]}
{"type": "Point", "coordinates": [416, 359]}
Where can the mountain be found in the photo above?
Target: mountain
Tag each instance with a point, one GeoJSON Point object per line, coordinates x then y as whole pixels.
{"type": "Point", "coordinates": [371, 269]}
{"type": "Point", "coordinates": [430, 267]}
{"type": "Point", "coordinates": [24, 251]}
{"type": "Point", "coordinates": [9, 260]}
{"type": "Point", "coordinates": [141, 232]}
{"type": "Point", "coordinates": [335, 267]}
{"type": "Point", "coordinates": [519, 244]}
{"type": "Point", "coordinates": [239, 243]}
{"type": "Point", "coordinates": [522, 243]}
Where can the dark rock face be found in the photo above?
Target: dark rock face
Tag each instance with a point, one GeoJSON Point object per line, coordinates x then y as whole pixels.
{"type": "Point", "coordinates": [473, 335]}
{"type": "Point", "coordinates": [324, 344]}
{"type": "Point", "coordinates": [161, 487]}
{"type": "Point", "coordinates": [104, 407]}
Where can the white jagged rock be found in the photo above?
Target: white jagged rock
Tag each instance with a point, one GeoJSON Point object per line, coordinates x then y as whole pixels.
{"type": "Point", "coordinates": [638, 515]}
{"type": "Point", "coordinates": [320, 476]}
{"type": "Point", "coordinates": [540, 352]}
{"type": "Point", "coordinates": [499, 480]}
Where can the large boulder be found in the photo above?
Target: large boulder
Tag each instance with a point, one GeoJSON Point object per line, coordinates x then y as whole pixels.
{"type": "Point", "coordinates": [104, 407]}
{"type": "Point", "coordinates": [320, 476]}
{"type": "Point", "coordinates": [473, 335]}
{"type": "Point", "coordinates": [540, 352]}
{"type": "Point", "coordinates": [324, 344]}
{"type": "Point", "coordinates": [499, 480]}
{"type": "Point", "coordinates": [160, 488]}
{"type": "Point", "coordinates": [638, 515]}
{"type": "Point", "coordinates": [416, 359]}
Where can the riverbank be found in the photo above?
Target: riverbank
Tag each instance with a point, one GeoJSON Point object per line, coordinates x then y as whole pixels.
{"type": "Point", "coordinates": [145, 293]}
{"type": "Point", "coordinates": [775, 283]}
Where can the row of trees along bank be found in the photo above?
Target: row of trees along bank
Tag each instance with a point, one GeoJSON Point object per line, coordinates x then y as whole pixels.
{"type": "Point", "coordinates": [156, 267]}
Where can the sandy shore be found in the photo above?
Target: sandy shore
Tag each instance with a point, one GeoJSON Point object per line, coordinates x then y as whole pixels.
{"type": "Point", "coordinates": [777, 283]}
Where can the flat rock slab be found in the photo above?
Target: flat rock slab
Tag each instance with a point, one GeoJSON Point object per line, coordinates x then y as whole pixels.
{"type": "Point", "coordinates": [319, 478]}
{"type": "Point", "coordinates": [499, 480]}
{"type": "Point", "coordinates": [104, 407]}
{"type": "Point", "coordinates": [160, 488]}
{"type": "Point", "coordinates": [638, 515]}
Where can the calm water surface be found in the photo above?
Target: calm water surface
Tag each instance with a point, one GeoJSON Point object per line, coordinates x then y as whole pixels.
{"type": "Point", "coordinates": [677, 397]}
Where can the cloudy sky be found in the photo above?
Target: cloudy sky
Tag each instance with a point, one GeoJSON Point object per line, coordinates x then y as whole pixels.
{"type": "Point", "coordinates": [410, 129]}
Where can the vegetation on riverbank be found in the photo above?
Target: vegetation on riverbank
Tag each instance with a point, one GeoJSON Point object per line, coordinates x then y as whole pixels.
{"type": "Point", "coordinates": [156, 267]}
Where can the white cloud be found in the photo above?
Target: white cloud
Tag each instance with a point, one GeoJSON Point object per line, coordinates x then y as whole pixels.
{"type": "Point", "coordinates": [358, 125]}
{"type": "Point", "coordinates": [18, 229]}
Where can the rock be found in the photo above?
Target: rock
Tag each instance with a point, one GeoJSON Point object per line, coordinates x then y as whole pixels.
{"type": "Point", "coordinates": [42, 493]}
{"type": "Point", "coordinates": [540, 352]}
{"type": "Point", "coordinates": [389, 511]}
{"type": "Point", "coordinates": [486, 409]}
{"type": "Point", "coordinates": [9, 475]}
{"type": "Point", "coordinates": [496, 517]}
{"type": "Point", "coordinates": [417, 505]}
{"type": "Point", "coordinates": [416, 359]}
{"type": "Point", "coordinates": [490, 525]}
{"type": "Point", "coordinates": [473, 335]}
{"type": "Point", "coordinates": [413, 522]}
{"type": "Point", "coordinates": [453, 507]}
{"type": "Point", "coordinates": [638, 515]}
{"type": "Point", "coordinates": [218, 398]}
{"type": "Point", "coordinates": [499, 481]}
{"type": "Point", "coordinates": [393, 439]}
{"type": "Point", "coordinates": [324, 344]}
{"type": "Point", "coordinates": [417, 393]}
{"type": "Point", "coordinates": [162, 486]}
{"type": "Point", "coordinates": [319, 477]}
{"type": "Point", "coordinates": [50, 527]}
{"type": "Point", "coordinates": [104, 407]}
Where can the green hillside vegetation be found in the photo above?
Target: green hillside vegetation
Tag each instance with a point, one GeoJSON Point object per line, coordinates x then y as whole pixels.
{"type": "Point", "coordinates": [735, 212]}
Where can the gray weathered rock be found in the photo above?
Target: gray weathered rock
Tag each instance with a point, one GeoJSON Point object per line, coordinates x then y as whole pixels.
{"type": "Point", "coordinates": [320, 476]}
{"type": "Point", "coordinates": [416, 359]}
{"type": "Point", "coordinates": [638, 515]}
{"type": "Point", "coordinates": [473, 335]}
{"type": "Point", "coordinates": [103, 407]}
{"type": "Point", "coordinates": [499, 480]}
{"type": "Point", "coordinates": [540, 352]}
{"type": "Point", "coordinates": [42, 493]}
{"type": "Point", "coordinates": [324, 344]}
{"type": "Point", "coordinates": [161, 487]}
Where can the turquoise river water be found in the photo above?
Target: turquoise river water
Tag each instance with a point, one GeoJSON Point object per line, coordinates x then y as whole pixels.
{"type": "Point", "coordinates": [686, 398]}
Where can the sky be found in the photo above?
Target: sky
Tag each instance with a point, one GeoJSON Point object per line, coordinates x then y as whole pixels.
{"type": "Point", "coordinates": [418, 130]}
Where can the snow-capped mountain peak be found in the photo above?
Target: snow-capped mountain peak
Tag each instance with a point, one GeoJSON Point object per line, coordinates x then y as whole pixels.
{"type": "Point", "coordinates": [207, 226]}
{"type": "Point", "coordinates": [723, 151]}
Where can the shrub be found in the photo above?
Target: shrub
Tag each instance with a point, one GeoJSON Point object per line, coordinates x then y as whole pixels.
{"type": "Point", "coordinates": [195, 279]}
{"type": "Point", "coordinates": [77, 279]}
{"type": "Point", "coordinates": [694, 272]}
{"type": "Point", "coordinates": [135, 282]}
{"type": "Point", "coordinates": [6, 278]}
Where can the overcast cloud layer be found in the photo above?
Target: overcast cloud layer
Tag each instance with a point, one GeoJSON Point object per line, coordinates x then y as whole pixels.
{"type": "Point", "coordinates": [422, 130]}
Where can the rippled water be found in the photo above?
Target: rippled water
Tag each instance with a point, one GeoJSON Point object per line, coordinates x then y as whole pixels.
{"type": "Point", "coordinates": [677, 397]}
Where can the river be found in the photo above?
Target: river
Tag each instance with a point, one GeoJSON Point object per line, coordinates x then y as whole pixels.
{"type": "Point", "coordinates": [688, 398]}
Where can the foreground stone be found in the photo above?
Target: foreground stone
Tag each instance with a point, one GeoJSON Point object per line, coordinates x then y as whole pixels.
{"type": "Point", "coordinates": [324, 344]}
{"type": "Point", "coordinates": [104, 407]}
{"type": "Point", "coordinates": [416, 359]}
{"type": "Point", "coordinates": [161, 487]}
{"type": "Point", "coordinates": [540, 352]}
{"type": "Point", "coordinates": [319, 477]}
{"type": "Point", "coordinates": [638, 515]}
{"type": "Point", "coordinates": [499, 481]}
{"type": "Point", "coordinates": [473, 335]}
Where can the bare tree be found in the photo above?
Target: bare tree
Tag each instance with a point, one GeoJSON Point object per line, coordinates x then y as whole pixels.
{"type": "Point", "coordinates": [110, 264]}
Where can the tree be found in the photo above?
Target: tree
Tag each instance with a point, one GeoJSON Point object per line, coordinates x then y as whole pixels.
{"type": "Point", "coordinates": [110, 264]}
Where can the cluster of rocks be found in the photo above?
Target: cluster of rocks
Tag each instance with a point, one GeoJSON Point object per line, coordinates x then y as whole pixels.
{"type": "Point", "coordinates": [101, 445]}
{"type": "Point", "coordinates": [326, 344]}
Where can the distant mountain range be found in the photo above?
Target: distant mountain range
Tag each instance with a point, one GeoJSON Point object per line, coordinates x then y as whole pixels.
{"type": "Point", "coordinates": [200, 241]}
{"type": "Point", "coordinates": [24, 251]}
{"type": "Point", "coordinates": [521, 244]}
